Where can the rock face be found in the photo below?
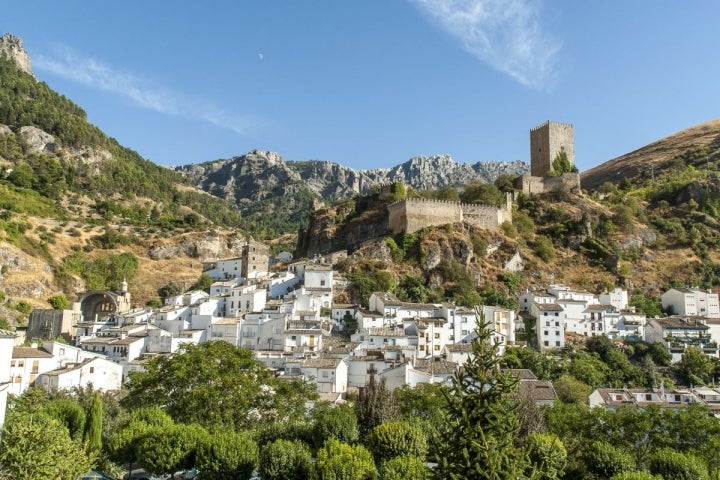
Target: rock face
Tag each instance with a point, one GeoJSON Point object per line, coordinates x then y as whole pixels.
{"type": "Point", "coordinates": [260, 173]}
{"type": "Point", "coordinates": [38, 141]}
{"type": "Point", "coordinates": [11, 47]}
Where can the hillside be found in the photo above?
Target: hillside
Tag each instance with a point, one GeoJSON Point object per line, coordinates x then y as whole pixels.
{"type": "Point", "coordinates": [703, 139]}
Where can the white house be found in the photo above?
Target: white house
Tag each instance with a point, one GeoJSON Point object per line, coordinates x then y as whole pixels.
{"type": "Point", "coordinates": [282, 283]}
{"type": "Point", "coordinates": [691, 302]}
{"type": "Point", "coordinates": [618, 299]}
{"type": "Point", "coordinates": [99, 373]}
{"type": "Point", "coordinates": [25, 366]}
{"type": "Point", "coordinates": [224, 269]}
{"type": "Point", "coordinates": [7, 342]}
{"type": "Point", "coordinates": [244, 299]}
{"type": "Point", "coordinates": [329, 374]}
{"type": "Point", "coordinates": [549, 325]}
{"type": "Point", "coordinates": [678, 333]}
{"type": "Point", "coordinates": [226, 329]}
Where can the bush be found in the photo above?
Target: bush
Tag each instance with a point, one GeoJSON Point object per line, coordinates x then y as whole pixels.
{"type": "Point", "coordinates": [285, 460]}
{"type": "Point", "coordinates": [672, 465]}
{"type": "Point", "coordinates": [395, 439]}
{"type": "Point", "coordinates": [544, 248]}
{"type": "Point", "coordinates": [340, 461]}
{"type": "Point", "coordinates": [404, 468]}
{"type": "Point", "coordinates": [59, 302]}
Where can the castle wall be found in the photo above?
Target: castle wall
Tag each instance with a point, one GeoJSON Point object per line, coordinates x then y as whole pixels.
{"type": "Point", "coordinates": [546, 142]}
{"type": "Point", "coordinates": [412, 215]}
{"type": "Point", "coordinates": [531, 185]}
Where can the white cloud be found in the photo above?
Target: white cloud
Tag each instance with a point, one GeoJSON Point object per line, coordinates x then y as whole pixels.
{"type": "Point", "coordinates": [141, 92]}
{"type": "Point", "coordinates": [505, 34]}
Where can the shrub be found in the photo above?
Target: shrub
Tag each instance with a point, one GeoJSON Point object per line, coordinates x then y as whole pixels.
{"type": "Point", "coordinates": [396, 439]}
{"type": "Point", "coordinates": [285, 460]}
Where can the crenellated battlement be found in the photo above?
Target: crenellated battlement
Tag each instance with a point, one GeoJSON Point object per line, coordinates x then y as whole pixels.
{"type": "Point", "coordinates": [413, 214]}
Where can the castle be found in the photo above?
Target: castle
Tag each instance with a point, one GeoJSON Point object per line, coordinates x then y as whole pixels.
{"type": "Point", "coordinates": [547, 142]}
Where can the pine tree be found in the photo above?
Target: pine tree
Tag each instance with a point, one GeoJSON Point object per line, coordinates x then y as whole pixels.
{"type": "Point", "coordinates": [480, 427]}
{"type": "Point", "coordinates": [92, 437]}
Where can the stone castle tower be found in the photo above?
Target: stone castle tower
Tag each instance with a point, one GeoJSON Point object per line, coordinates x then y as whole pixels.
{"type": "Point", "coordinates": [546, 142]}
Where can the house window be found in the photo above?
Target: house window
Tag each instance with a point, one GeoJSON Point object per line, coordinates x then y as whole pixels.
{"type": "Point", "coordinates": [437, 347]}
{"type": "Point", "coordinates": [557, 314]}
{"type": "Point", "coordinates": [648, 397]}
{"type": "Point", "coordinates": [293, 337]}
{"type": "Point", "coordinates": [557, 324]}
{"type": "Point", "coordinates": [557, 343]}
{"type": "Point", "coordinates": [12, 363]}
{"type": "Point", "coordinates": [324, 374]}
{"type": "Point", "coordinates": [557, 332]}
{"type": "Point", "coordinates": [547, 323]}
{"type": "Point", "coordinates": [437, 335]}
{"type": "Point", "coordinates": [545, 332]}
{"type": "Point", "coordinates": [35, 366]}
{"type": "Point", "coordinates": [322, 283]}
{"type": "Point", "coordinates": [546, 343]}
{"type": "Point", "coordinates": [21, 363]}
{"type": "Point", "coordinates": [92, 369]}
{"type": "Point", "coordinates": [62, 351]}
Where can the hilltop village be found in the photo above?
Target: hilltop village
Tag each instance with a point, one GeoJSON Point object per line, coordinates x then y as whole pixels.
{"type": "Point", "coordinates": [286, 313]}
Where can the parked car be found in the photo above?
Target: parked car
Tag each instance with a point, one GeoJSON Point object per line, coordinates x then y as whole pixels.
{"type": "Point", "coordinates": [141, 474]}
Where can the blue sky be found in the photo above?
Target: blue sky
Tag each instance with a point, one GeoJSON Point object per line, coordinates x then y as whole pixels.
{"type": "Point", "coordinates": [373, 83]}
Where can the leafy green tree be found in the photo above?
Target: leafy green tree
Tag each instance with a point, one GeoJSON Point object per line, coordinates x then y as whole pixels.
{"type": "Point", "coordinates": [364, 283]}
{"type": "Point", "coordinates": [603, 460]}
{"type": "Point", "coordinates": [340, 461]}
{"type": "Point", "coordinates": [285, 460]}
{"type": "Point", "coordinates": [59, 302]}
{"type": "Point", "coordinates": [375, 405]}
{"type": "Point", "coordinates": [293, 429]}
{"type": "Point", "coordinates": [544, 248]}
{"type": "Point", "coordinates": [241, 389]}
{"type": "Point", "coordinates": [482, 193]}
{"type": "Point", "coordinates": [480, 429]}
{"type": "Point", "coordinates": [561, 164]}
{"type": "Point", "coordinates": [169, 449]}
{"type": "Point", "coordinates": [505, 182]}
{"type": "Point", "coordinates": [448, 194]}
{"type": "Point", "coordinates": [397, 439]}
{"type": "Point", "coordinates": [339, 423]}
{"type": "Point", "coordinates": [171, 289]}
{"type": "Point", "coordinates": [424, 405]}
{"type": "Point", "coordinates": [547, 455]}
{"type": "Point", "coordinates": [650, 306]}
{"type": "Point", "coordinates": [123, 444]}
{"type": "Point", "coordinates": [673, 465]}
{"type": "Point", "coordinates": [92, 437]}
{"type": "Point", "coordinates": [404, 468]}
{"type": "Point", "coordinates": [695, 367]}
{"type": "Point", "coordinates": [203, 282]}
{"type": "Point", "coordinates": [70, 414]}
{"type": "Point", "coordinates": [36, 446]}
{"type": "Point", "coordinates": [227, 456]}
{"type": "Point", "coordinates": [571, 390]}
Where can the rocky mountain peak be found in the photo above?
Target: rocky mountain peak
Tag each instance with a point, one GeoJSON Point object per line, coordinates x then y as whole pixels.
{"type": "Point", "coordinates": [11, 47]}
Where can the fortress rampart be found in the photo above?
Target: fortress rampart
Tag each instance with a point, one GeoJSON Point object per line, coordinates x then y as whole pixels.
{"type": "Point", "coordinates": [414, 214]}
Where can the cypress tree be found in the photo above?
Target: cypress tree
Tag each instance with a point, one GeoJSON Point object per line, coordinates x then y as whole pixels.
{"type": "Point", "coordinates": [92, 437]}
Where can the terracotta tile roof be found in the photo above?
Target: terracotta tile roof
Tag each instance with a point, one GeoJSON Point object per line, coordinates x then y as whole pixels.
{"type": "Point", "coordinates": [29, 352]}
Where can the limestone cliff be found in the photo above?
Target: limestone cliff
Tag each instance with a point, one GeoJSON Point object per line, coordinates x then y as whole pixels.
{"type": "Point", "coordinates": [12, 47]}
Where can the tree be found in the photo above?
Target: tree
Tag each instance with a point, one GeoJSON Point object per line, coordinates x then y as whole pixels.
{"type": "Point", "coordinates": [285, 460]}
{"type": "Point", "coordinates": [695, 367]}
{"type": "Point", "coordinates": [204, 282]}
{"type": "Point", "coordinates": [227, 456]}
{"type": "Point", "coordinates": [480, 428]}
{"type": "Point", "coordinates": [447, 193]}
{"type": "Point", "coordinates": [505, 182]}
{"type": "Point", "coordinates": [482, 193]}
{"type": "Point", "coordinates": [92, 437]}
{"type": "Point", "coordinates": [340, 461]}
{"type": "Point", "coordinates": [544, 248]}
{"type": "Point", "coordinates": [169, 449]}
{"type": "Point", "coordinates": [635, 476]}
{"type": "Point", "coordinates": [36, 446]}
{"type": "Point", "coordinates": [339, 423]}
{"type": "Point", "coordinates": [672, 465]}
{"type": "Point", "coordinates": [70, 414]}
{"type": "Point", "coordinates": [404, 468]}
{"type": "Point", "coordinates": [561, 164]}
{"type": "Point", "coordinates": [59, 302]}
{"type": "Point", "coordinates": [571, 390]}
{"type": "Point", "coordinates": [375, 405]}
{"type": "Point", "coordinates": [603, 460]}
{"type": "Point", "coordinates": [547, 455]}
{"type": "Point", "coordinates": [241, 390]}
{"type": "Point", "coordinates": [171, 289]}
{"type": "Point", "coordinates": [123, 445]}
{"type": "Point", "coordinates": [397, 439]}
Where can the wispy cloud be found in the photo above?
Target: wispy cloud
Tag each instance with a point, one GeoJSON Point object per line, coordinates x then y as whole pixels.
{"type": "Point", "coordinates": [505, 34]}
{"type": "Point", "coordinates": [142, 92]}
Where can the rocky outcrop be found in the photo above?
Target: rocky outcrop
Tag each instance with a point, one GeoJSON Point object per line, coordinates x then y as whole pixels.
{"type": "Point", "coordinates": [11, 47]}
{"type": "Point", "coordinates": [204, 248]}
{"type": "Point", "coordinates": [38, 141]}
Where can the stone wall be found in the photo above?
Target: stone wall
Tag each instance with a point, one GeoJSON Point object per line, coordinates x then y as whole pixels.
{"type": "Point", "coordinates": [411, 215]}
{"type": "Point", "coordinates": [531, 185]}
{"type": "Point", "coordinates": [546, 142]}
